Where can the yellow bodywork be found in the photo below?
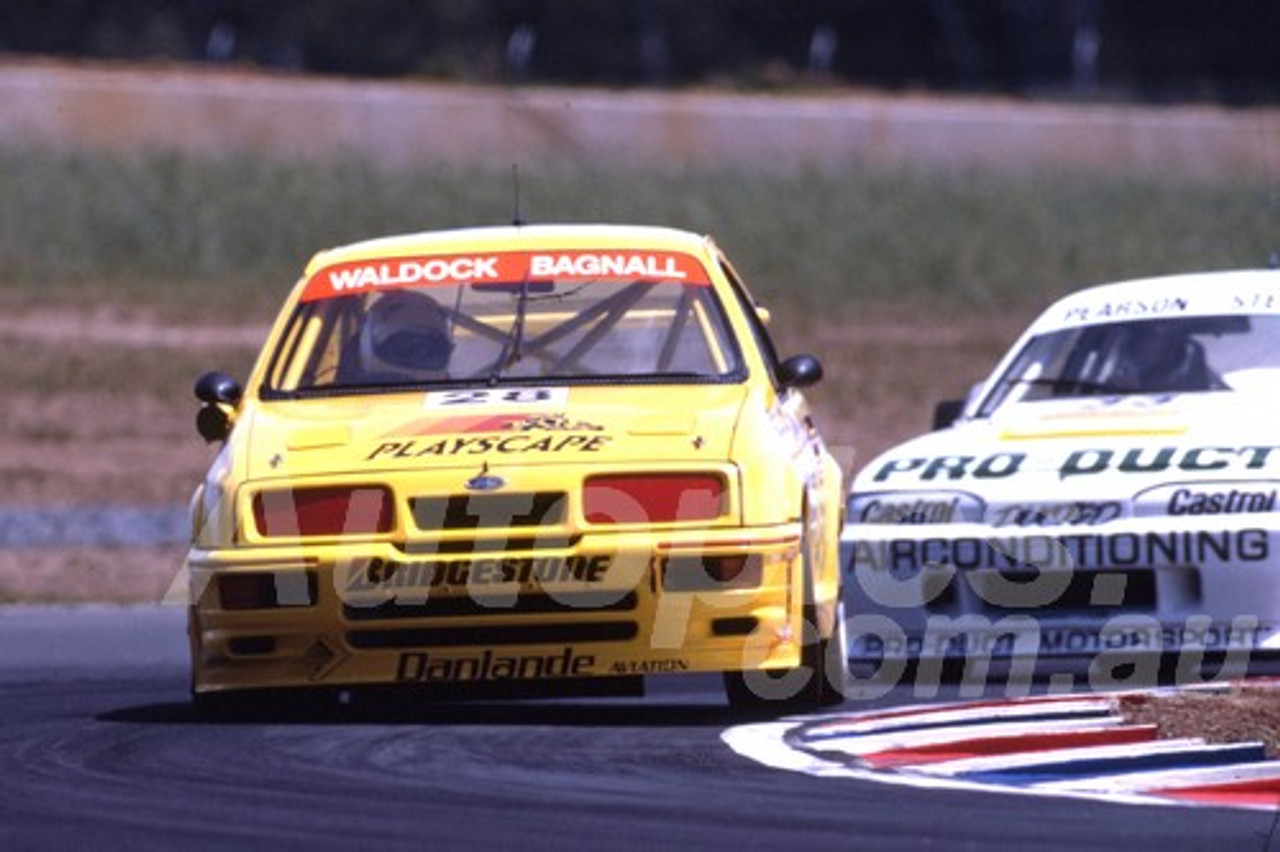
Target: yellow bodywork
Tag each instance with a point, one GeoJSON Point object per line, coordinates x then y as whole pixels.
{"type": "Point", "coordinates": [459, 581]}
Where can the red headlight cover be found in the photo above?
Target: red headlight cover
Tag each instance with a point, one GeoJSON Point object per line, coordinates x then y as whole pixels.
{"type": "Point", "coordinates": [636, 498]}
{"type": "Point", "coordinates": [323, 511]}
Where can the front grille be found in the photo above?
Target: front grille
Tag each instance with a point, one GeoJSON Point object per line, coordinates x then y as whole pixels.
{"type": "Point", "coordinates": [478, 605]}
{"type": "Point", "coordinates": [494, 635]}
{"type": "Point", "coordinates": [489, 511]}
{"type": "Point", "coordinates": [1070, 591]}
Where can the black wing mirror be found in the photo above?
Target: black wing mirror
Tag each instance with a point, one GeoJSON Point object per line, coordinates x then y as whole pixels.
{"type": "Point", "coordinates": [219, 393]}
{"type": "Point", "coordinates": [946, 413]}
{"type": "Point", "coordinates": [800, 371]}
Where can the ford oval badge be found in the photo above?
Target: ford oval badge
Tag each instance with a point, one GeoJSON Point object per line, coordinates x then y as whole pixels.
{"type": "Point", "coordinates": [485, 481]}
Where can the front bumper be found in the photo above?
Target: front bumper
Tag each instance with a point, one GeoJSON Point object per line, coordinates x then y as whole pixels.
{"type": "Point", "coordinates": [1137, 586]}
{"type": "Point", "coordinates": [616, 605]}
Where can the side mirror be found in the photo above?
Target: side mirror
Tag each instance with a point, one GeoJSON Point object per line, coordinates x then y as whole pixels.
{"type": "Point", "coordinates": [800, 371]}
{"type": "Point", "coordinates": [946, 413]}
{"type": "Point", "coordinates": [218, 387]}
{"type": "Point", "coordinates": [219, 393]}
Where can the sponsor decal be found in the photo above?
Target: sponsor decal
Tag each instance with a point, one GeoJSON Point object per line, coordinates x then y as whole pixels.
{"type": "Point", "coordinates": [425, 667]}
{"type": "Point", "coordinates": [905, 557]}
{"type": "Point", "coordinates": [509, 434]}
{"type": "Point", "coordinates": [1125, 309]}
{"type": "Point", "coordinates": [951, 468]}
{"type": "Point", "coordinates": [1083, 462]}
{"type": "Point", "coordinates": [1077, 513]}
{"type": "Point", "coordinates": [1021, 636]}
{"type": "Point", "coordinates": [472, 423]}
{"type": "Point", "coordinates": [409, 272]}
{"type": "Point", "coordinates": [880, 511]}
{"type": "Point", "coordinates": [1257, 301]}
{"type": "Point", "coordinates": [915, 507]}
{"type": "Point", "coordinates": [1207, 499]}
{"type": "Point", "coordinates": [1192, 501]}
{"type": "Point", "coordinates": [414, 579]}
{"type": "Point", "coordinates": [570, 265]}
{"type": "Point", "coordinates": [502, 267]}
{"type": "Point", "coordinates": [795, 436]}
{"type": "Point", "coordinates": [941, 644]}
{"type": "Point", "coordinates": [479, 445]}
{"type": "Point", "coordinates": [649, 667]}
{"type": "Point", "coordinates": [552, 423]}
{"type": "Point", "coordinates": [1152, 637]}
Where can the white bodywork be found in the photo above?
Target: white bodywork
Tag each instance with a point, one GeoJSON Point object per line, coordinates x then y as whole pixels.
{"type": "Point", "coordinates": [1073, 509]}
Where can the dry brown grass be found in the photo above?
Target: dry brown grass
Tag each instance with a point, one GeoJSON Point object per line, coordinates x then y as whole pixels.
{"type": "Point", "coordinates": [1231, 714]}
{"type": "Point", "coordinates": [99, 409]}
{"type": "Point", "coordinates": [886, 370]}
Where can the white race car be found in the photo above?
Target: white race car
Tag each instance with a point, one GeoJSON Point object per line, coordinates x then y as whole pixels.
{"type": "Point", "coordinates": [1109, 492]}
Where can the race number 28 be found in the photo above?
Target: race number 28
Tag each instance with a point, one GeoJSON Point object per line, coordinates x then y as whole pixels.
{"type": "Point", "coordinates": [497, 396]}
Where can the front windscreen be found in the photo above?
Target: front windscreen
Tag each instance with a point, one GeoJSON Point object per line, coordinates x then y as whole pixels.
{"type": "Point", "coordinates": [1158, 356]}
{"type": "Point", "coordinates": [622, 317]}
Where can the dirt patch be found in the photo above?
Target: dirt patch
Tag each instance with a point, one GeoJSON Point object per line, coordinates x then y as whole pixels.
{"type": "Point", "coordinates": [1243, 712]}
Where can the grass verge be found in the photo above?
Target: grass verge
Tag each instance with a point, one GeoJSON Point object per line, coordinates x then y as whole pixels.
{"type": "Point", "coordinates": [224, 238]}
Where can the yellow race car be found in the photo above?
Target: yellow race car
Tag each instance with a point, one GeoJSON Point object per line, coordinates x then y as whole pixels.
{"type": "Point", "coordinates": [516, 461]}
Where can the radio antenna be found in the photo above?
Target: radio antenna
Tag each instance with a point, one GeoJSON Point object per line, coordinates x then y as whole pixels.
{"type": "Point", "coordinates": [516, 218]}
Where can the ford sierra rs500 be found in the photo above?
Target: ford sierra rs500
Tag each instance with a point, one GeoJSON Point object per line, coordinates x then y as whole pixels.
{"type": "Point", "coordinates": [527, 460]}
{"type": "Point", "coordinates": [1109, 492]}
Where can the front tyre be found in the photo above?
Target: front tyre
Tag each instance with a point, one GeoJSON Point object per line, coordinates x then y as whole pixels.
{"type": "Point", "coordinates": [264, 705]}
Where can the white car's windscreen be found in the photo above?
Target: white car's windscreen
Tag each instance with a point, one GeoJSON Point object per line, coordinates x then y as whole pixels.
{"type": "Point", "coordinates": [1158, 356]}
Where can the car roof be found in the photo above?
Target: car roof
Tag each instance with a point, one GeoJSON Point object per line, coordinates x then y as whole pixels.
{"type": "Point", "coordinates": [517, 237]}
{"type": "Point", "coordinates": [1244, 291]}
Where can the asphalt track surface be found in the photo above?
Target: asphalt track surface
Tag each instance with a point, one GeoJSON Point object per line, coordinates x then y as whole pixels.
{"type": "Point", "coordinates": [99, 750]}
